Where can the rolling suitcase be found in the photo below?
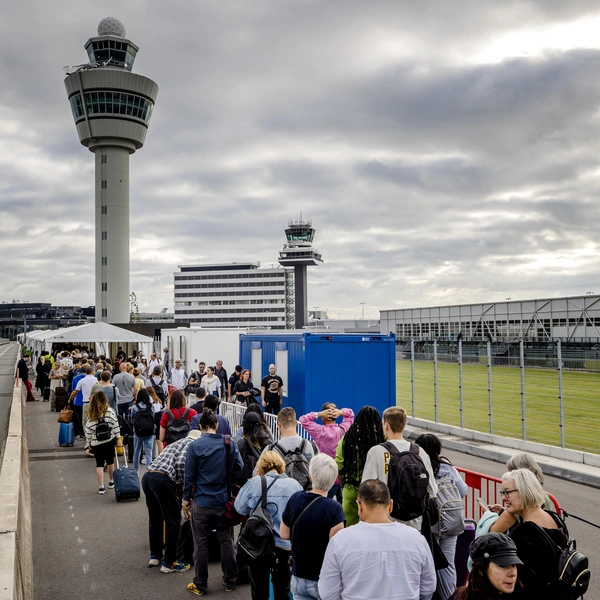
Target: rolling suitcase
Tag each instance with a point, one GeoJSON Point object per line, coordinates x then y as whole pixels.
{"type": "Point", "coordinates": [60, 398]}
{"type": "Point", "coordinates": [66, 434]}
{"type": "Point", "coordinates": [127, 484]}
{"type": "Point", "coordinates": [462, 551]}
{"type": "Point", "coordinates": [46, 394]}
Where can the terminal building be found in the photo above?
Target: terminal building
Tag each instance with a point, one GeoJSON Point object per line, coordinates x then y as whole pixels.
{"type": "Point", "coordinates": [235, 295]}
{"type": "Point", "coordinates": [573, 319]}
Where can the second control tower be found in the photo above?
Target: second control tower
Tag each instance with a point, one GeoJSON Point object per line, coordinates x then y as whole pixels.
{"type": "Point", "coordinates": [299, 253]}
{"type": "Point", "coordinates": [112, 108]}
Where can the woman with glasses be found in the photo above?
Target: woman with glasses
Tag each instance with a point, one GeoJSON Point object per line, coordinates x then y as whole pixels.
{"type": "Point", "coordinates": [536, 535]}
{"type": "Point", "coordinates": [521, 460]}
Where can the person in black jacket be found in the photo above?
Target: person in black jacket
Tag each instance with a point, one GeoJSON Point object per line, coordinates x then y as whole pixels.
{"type": "Point", "coordinates": [255, 438]}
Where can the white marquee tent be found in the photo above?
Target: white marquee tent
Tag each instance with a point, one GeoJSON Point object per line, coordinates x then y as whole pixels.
{"type": "Point", "coordinates": [101, 334]}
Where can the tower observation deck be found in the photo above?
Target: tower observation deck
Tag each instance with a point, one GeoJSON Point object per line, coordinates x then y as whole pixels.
{"type": "Point", "coordinates": [112, 108]}
{"type": "Point", "coordinates": [299, 253]}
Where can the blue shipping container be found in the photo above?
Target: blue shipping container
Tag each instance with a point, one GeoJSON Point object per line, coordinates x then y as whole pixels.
{"type": "Point", "coordinates": [351, 370]}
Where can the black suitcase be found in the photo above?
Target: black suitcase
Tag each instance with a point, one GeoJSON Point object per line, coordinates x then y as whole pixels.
{"type": "Point", "coordinates": [60, 398]}
{"type": "Point", "coordinates": [127, 484]}
{"type": "Point", "coordinates": [46, 394]}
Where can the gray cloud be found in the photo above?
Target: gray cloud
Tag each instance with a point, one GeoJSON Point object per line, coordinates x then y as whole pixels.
{"type": "Point", "coordinates": [430, 178]}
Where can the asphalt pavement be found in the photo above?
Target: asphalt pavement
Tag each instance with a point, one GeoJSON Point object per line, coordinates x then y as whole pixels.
{"type": "Point", "coordinates": [86, 544]}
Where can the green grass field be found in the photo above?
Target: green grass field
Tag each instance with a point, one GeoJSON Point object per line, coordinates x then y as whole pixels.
{"type": "Point", "coordinates": [581, 400]}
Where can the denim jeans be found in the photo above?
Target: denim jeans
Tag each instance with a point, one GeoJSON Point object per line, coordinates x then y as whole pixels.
{"type": "Point", "coordinates": [124, 409]}
{"type": "Point", "coordinates": [148, 443]}
{"type": "Point", "coordinates": [304, 589]}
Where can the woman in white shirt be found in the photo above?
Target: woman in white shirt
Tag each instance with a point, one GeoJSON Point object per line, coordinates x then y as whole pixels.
{"type": "Point", "coordinates": [211, 383]}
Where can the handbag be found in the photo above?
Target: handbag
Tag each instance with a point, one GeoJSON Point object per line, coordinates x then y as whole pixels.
{"type": "Point", "coordinates": [232, 516]}
{"type": "Point", "coordinates": [65, 415]}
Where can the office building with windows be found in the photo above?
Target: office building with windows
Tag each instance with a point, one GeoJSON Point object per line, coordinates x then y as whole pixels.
{"type": "Point", "coordinates": [234, 295]}
{"type": "Point", "coordinates": [112, 108]}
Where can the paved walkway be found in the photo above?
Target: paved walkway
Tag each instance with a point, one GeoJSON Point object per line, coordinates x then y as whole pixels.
{"type": "Point", "coordinates": [86, 545]}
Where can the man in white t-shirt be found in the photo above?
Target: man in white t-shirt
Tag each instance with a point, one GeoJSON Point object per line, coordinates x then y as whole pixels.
{"type": "Point", "coordinates": [178, 376]}
{"type": "Point", "coordinates": [377, 558]}
{"type": "Point", "coordinates": [154, 362]}
{"type": "Point", "coordinates": [85, 385]}
{"type": "Point", "coordinates": [378, 458]}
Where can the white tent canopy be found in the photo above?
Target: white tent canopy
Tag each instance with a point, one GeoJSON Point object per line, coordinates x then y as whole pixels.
{"type": "Point", "coordinates": [100, 334]}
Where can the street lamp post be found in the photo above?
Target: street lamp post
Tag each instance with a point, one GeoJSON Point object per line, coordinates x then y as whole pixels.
{"type": "Point", "coordinates": [363, 310]}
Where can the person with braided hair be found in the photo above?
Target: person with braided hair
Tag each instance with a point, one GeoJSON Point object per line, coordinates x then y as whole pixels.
{"type": "Point", "coordinates": [351, 454]}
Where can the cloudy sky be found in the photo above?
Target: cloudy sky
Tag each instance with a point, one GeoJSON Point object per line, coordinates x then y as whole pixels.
{"type": "Point", "coordinates": [447, 152]}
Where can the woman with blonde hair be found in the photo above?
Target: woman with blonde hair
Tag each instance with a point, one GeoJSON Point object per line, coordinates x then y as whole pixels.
{"type": "Point", "coordinates": [536, 536]}
{"type": "Point", "coordinates": [102, 432]}
{"type": "Point", "coordinates": [276, 487]}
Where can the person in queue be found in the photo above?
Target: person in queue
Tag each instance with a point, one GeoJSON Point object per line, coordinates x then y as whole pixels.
{"type": "Point", "coordinates": [351, 455]}
{"type": "Point", "coordinates": [443, 470]}
{"type": "Point", "coordinates": [314, 519]}
{"type": "Point", "coordinates": [378, 558]}
{"type": "Point", "coordinates": [280, 488]}
{"type": "Point", "coordinates": [523, 497]}
{"type": "Point", "coordinates": [521, 460]}
{"type": "Point", "coordinates": [102, 423]}
{"type": "Point", "coordinates": [206, 474]}
{"type": "Point", "coordinates": [494, 575]}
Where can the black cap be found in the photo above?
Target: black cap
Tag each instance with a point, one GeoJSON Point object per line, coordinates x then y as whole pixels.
{"type": "Point", "coordinates": [251, 417]}
{"type": "Point", "coordinates": [496, 547]}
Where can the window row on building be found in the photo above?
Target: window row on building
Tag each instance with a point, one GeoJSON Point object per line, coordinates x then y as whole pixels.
{"type": "Point", "coordinates": [269, 301]}
{"type": "Point", "coordinates": [250, 275]}
{"type": "Point", "coordinates": [238, 322]}
{"type": "Point", "coordinates": [217, 294]}
{"type": "Point", "coordinates": [205, 286]}
{"type": "Point", "coordinates": [111, 103]}
{"type": "Point", "coordinates": [225, 311]}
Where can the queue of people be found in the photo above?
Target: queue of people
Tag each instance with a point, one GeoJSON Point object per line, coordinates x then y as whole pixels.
{"type": "Point", "coordinates": [357, 536]}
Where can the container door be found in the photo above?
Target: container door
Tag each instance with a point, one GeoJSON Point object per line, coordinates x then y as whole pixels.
{"type": "Point", "coordinates": [281, 362]}
{"type": "Point", "coordinates": [256, 366]}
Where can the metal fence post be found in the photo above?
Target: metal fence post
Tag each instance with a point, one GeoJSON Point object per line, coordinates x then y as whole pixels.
{"type": "Point", "coordinates": [560, 394]}
{"type": "Point", "coordinates": [435, 381]}
{"type": "Point", "coordinates": [523, 411]}
{"type": "Point", "coordinates": [460, 383]}
{"type": "Point", "coordinates": [489, 357]}
{"type": "Point", "coordinates": [412, 375]}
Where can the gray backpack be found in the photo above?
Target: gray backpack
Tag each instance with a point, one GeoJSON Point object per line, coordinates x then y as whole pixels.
{"type": "Point", "coordinates": [451, 508]}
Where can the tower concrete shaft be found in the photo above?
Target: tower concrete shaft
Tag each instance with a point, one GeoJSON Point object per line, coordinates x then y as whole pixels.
{"type": "Point", "coordinates": [112, 108]}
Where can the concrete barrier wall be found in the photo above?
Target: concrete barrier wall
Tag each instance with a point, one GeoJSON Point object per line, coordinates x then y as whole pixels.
{"type": "Point", "coordinates": [16, 557]}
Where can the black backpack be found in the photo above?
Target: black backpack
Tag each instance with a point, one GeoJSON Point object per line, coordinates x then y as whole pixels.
{"type": "Point", "coordinates": [143, 422]}
{"type": "Point", "coordinates": [177, 429]}
{"type": "Point", "coordinates": [296, 465]}
{"type": "Point", "coordinates": [103, 430]}
{"type": "Point", "coordinates": [257, 539]}
{"type": "Point", "coordinates": [573, 573]}
{"type": "Point", "coordinates": [158, 390]}
{"type": "Point", "coordinates": [407, 481]}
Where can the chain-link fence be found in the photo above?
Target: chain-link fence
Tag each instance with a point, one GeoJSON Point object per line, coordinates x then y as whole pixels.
{"type": "Point", "coordinates": [505, 390]}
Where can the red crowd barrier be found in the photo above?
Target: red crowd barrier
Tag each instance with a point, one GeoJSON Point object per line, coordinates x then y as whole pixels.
{"type": "Point", "coordinates": [488, 489]}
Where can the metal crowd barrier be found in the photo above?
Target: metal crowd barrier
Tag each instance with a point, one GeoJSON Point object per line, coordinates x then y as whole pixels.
{"type": "Point", "coordinates": [488, 489]}
{"type": "Point", "coordinates": [234, 413]}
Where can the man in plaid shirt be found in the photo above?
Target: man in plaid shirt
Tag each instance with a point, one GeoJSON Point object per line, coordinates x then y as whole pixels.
{"type": "Point", "coordinates": [164, 504]}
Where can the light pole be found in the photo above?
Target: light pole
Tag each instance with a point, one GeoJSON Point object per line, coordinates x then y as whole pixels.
{"type": "Point", "coordinates": [315, 309]}
{"type": "Point", "coordinates": [363, 310]}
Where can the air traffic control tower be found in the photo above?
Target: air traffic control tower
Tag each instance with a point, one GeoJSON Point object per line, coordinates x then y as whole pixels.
{"type": "Point", "coordinates": [299, 253]}
{"type": "Point", "coordinates": [112, 108]}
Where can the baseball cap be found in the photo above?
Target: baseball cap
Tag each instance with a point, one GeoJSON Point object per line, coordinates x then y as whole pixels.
{"type": "Point", "coordinates": [496, 547]}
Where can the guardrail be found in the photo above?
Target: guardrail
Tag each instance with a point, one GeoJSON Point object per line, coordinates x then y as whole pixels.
{"type": "Point", "coordinates": [16, 552]}
{"type": "Point", "coordinates": [234, 413]}
{"type": "Point", "coordinates": [488, 489]}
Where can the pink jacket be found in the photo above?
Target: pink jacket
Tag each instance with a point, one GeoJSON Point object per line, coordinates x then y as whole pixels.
{"type": "Point", "coordinates": [326, 437]}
